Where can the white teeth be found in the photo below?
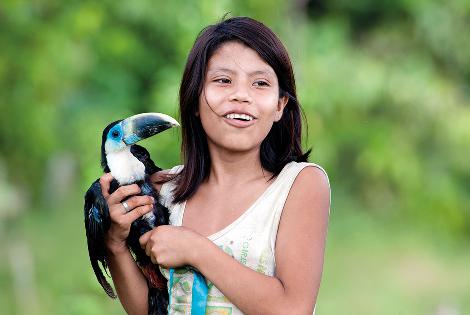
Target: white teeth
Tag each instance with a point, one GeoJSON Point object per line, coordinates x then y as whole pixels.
{"type": "Point", "coordinates": [239, 116]}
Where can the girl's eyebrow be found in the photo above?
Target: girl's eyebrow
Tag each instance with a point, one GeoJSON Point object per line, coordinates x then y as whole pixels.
{"type": "Point", "coordinates": [261, 72]}
{"type": "Point", "coordinates": [220, 70]}
{"type": "Point", "coordinates": [253, 73]}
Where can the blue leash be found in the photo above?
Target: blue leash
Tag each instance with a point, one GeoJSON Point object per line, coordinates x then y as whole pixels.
{"type": "Point", "coordinates": [199, 293]}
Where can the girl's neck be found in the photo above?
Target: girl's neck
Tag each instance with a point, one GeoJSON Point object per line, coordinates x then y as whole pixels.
{"type": "Point", "coordinates": [233, 168]}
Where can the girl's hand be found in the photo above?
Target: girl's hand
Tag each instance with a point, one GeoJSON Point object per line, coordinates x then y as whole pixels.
{"type": "Point", "coordinates": [172, 246]}
{"type": "Point", "coordinates": [158, 178]}
{"type": "Point", "coordinates": [121, 219]}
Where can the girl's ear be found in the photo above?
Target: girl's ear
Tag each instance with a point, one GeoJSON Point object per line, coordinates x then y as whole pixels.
{"type": "Point", "coordinates": [281, 104]}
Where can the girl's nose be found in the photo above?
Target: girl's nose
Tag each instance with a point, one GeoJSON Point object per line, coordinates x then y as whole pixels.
{"type": "Point", "coordinates": [241, 93]}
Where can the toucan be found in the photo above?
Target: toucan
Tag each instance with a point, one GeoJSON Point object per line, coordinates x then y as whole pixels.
{"type": "Point", "coordinates": [128, 163]}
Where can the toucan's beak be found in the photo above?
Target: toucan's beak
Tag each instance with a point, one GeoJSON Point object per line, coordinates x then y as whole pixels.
{"type": "Point", "coordinates": [141, 126]}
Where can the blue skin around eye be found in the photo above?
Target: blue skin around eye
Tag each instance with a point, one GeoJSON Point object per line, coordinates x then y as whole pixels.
{"type": "Point", "coordinates": [115, 141]}
{"type": "Point", "coordinates": [132, 138]}
{"type": "Point", "coordinates": [117, 128]}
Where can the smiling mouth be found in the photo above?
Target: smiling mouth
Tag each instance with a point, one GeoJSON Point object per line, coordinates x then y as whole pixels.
{"type": "Point", "coordinates": [241, 117]}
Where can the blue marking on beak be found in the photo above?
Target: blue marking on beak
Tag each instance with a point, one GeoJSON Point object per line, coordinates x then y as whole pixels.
{"type": "Point", "coordinates": [131, 139]}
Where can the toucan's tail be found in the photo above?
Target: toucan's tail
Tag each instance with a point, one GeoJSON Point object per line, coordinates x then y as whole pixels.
{"type": "Point", "coordinates": [101, 277]}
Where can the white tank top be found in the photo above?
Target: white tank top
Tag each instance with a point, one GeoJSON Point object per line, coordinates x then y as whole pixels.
{"type": "Point", "coordinates": [250, 239]}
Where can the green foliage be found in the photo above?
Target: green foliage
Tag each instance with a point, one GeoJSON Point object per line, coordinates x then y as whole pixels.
{"type": "Point", "coordinates": [387, 102]}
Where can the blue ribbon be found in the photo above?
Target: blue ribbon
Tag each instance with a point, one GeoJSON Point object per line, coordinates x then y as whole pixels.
{"type": "Point", "coordinates": [199, 293]}
{"type": "Point", "coordinates": [172, 271]}
{"type": "Point", "coordinates": [199, 298]}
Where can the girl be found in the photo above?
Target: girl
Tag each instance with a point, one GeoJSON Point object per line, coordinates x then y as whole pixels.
{"type": "Point", "coordinates": [247, 210]}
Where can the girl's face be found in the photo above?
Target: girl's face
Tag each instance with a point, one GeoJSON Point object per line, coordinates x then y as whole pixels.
{"type": "Point", "coordinates": [240, 99]}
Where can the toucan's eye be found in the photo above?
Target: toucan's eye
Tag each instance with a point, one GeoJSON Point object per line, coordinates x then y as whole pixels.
{"type": "Point", "coordinates": [115, 133]}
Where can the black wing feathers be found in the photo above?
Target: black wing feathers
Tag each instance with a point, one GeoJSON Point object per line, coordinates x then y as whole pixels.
{"type": "Point", "coordinates": [96, 222]}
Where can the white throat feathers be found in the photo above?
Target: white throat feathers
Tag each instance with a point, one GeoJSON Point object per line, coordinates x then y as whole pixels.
{"type": "Point", "coordinates": [125, 167]}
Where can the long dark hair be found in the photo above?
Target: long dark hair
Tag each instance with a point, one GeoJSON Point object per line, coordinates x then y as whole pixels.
{"type": "Point", "coordinates": [282, 144]}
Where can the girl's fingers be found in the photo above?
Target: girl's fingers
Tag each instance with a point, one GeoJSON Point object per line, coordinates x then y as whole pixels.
{"type": "Point", "coordinates": [159, 176]}
{"type": "Point", "coordinates": [138, 201]}
{"type": "Point", "coordinates": [122, 193]}
{"type": "Point", "coordinates": [144, 239]}
{"type": "Point", "coordinates": [136, 213]}
{"type": "Point", "coordinates": [105, 182]}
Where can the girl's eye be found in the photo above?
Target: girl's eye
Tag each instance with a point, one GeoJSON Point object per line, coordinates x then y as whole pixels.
{"type": "Point", "coordinates": [261, 83]}
{"type": "Point", "coordinates": [222, 81]}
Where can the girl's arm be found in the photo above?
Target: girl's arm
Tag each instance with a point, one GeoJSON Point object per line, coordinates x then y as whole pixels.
{"type": "Point", "coordinates": [299, 254]}
{"type": "Point", "coordinates": [130, 284]}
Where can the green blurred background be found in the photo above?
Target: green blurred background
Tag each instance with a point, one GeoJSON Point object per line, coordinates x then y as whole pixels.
{"type": "Point", "coordinates": [385, 89]}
